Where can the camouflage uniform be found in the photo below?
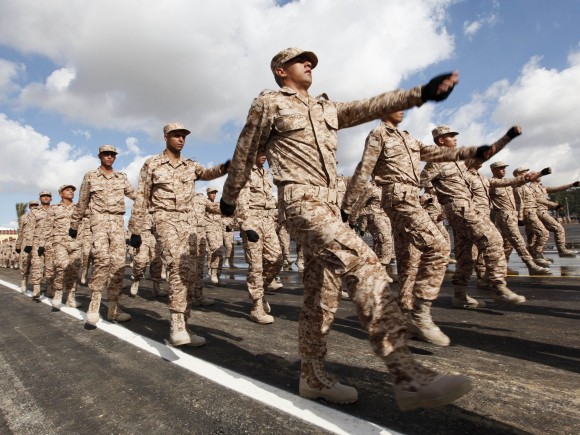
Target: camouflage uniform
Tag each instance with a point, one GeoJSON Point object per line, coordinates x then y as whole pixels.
{"type": "Point", "coordinates": [67, 252]}
{"type": "Point", "coordinates": [24, 239]}
{"type": "Point", "coordinates": [537, 234]}
{"type": "Point", "coordinates": [215, 240]}
{"type": "Point", "coordinates": [167, 190]}
{"type": "Point", "coordinates": [148, 253]}
{"type": "Point", "coordinates": [86, 243]}
{"type": "Point", "coordinates": [470, 226]}
{"type": "Point", "coordinates": [549, 222]}
{"type": "Point", "coordinates": [257, 209]}
{"type": "Point", "coordinates": [506, 217]}
{"type": "Point", "coordinates": [102, 198]}
{"type": "Point", "coordinates": [299, 136]}
{"type": "Point", "coordinates": [284, 238]}
{"type": "Point", "coordinates": [228, 224]}
{"type": "Point", "coordinates": [40, 265]}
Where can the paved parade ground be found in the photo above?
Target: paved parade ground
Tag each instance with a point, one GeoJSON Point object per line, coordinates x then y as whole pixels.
{"type": "Point", "coordinates": [58, 375]}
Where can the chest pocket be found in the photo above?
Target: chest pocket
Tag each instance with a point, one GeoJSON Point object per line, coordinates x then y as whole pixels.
{"type": "Point", "coordinates": [290, 120]}
{"type": "Point", "coordinates": [331, 117]}
{"type": "Point", "coordinates": [188, 176]}
{"type": "Point", "coordinates": [447, 172]}
{"type": "Point", "coordinates": [97, 186]}
{"type": "Point", "coordinates": [393, 151]}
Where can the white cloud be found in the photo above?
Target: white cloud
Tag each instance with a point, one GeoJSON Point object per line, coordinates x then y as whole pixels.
{"type": "Point", "coordinates": [9, 71]}
{"type": "Point", "coordinates": [471, 28]}
{"type": "Point", "coordinates": [84, 133]}
{"type": "Point", "coordinates": [203, 62]}
{"type": "Point", "coordinates": [133, 145]}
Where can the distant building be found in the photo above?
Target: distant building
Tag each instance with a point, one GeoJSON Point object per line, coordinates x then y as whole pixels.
{"type": "Point", "coordinates": [7, 233]}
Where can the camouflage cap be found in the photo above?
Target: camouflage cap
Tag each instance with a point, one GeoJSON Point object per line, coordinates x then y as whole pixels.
{"type": "Point", "coordinates": [211, 189]}
{"type": "Point", "coordinates": [107, 148]}
{"type": "Point", "coordinates": [33, 202]}
{"type": "Point", "coordinates": [45, 193]}
{"type": "Point", "coordinates": [498, 164]}
{"type": "Point", "coordinates": [289, 54]}
{"type": "Point", "coordinates": [172, 126]}
{"type": "Point", "coordinates": [441, 130]}
{"type": "Point", "coordinates": [64, 186]}
{"type": "Point", "coordinates": [520, 170]}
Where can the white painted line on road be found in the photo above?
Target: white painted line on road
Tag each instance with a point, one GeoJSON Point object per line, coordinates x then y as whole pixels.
{"type": "Point", "coordinates": [307, 410]}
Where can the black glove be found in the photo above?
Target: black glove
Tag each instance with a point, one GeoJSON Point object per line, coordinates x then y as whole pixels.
{"type": "Point", "coordinates": [546, 171]}
{"type": "Point", "coordinates": [227, 165]}
{"type": "Point", "coordinates": [227, 209]}
{"type": "Point", "coordinates": [228, 229]}
{"type": "Point", "coordinates": [558, 207]}
{"type": "Point", "coordinates": [521, 223]}
{"type": "Point", "coordinates": [361, 233]}
{"type": "Point", "coordinates": [429, 91]}
{"type": "Point", "coordinates": [41, 250]}
{"type": "Point", "coordinates": [18, 250]}
{"type": "Point", "coordinates": [576, 183]}
{"type": "Point", "coordinates": [513, 132]}
{"type": "Point", "coordinates": [135, 241]}
{"type": "Point", "coordinates": [73, 233]}
{"type": "Point", "coordinates": [344, 215]}
{"type": "Point", "coordinates": [28, 249]}
{"type": "Point", "coordinates": [252, 236]}
{"type": "Point", "coordinates": [127, 241]}
{"type": "Point", "coordinates": [481, 150]}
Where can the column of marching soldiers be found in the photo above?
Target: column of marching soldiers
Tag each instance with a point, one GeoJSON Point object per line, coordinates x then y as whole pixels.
{"type": "Point", "coordinates": [174, 229]}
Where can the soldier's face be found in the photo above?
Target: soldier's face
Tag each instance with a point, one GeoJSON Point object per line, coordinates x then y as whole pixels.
{"type": "Point", "coordinates": [107, 158]}
{"type": "Point", "coordinates": [297, 71]}
{"type": "Point", "coordinates": [45, 199]}
{"type": "Point", "coordinates": [395, 118]}
{"type": "Point", "coordinates": [260, 159]}
{"type": "Point", "coordinates": [67, 193]}
{"type": "Point", "coordinates": [211, 196]}
{"type": "Point", "coordinates": [175, 140]}
{"type": "Point", "coordinates": [498, 172]}
{"type": "Point", "coordinates": [448, 141]}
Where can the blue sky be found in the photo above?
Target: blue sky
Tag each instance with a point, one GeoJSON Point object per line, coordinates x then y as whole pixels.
{"type": "Point", "coordinates": [74, 76]}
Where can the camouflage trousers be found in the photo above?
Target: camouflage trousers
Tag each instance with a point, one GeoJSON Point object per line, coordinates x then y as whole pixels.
{"type": "Point", "coordinates": [472, 227]}
{"type": "Point", "coordinates": [24, 263]}
{"type": "Point", "coordinates": [264, 257]}
{"type": "Point", "coordinates": [41, 265]}
{"type": "Point", "coordinates": [284, 239]}
{"type": "Point", "coordinates": [147, 253]}
{"type": "Point", "coordinates": [333, 253]}
{"type": "Point", "coordinates": [215, 243]}
{"type": "Point", "coordinates": [415, 232]}
{"type": "Point", "coordinates": [229, 246]}
{"type": "Point", "coordinates": [379, 226]}
{"type": "Point", "coordinates": [178, 239]}
{"type": "Point", "coordinates": [553, 226]}
{"type": "Point", "coordinates": [201, 252]}
{"type": "Point", "coordinates": [479, 263]}
{"type": "Point", "coordinates": [536, 232]}
{"type": "Point", "coordinates": [86, 255]}
{"type": "Point", "coordinates": [67, 260]}
{"type": "Point", "coordinates": [108, 249]}
{"type": "Point", "coordinates": [507, 223]}
{"type": "Point", "coordinates": [443, 230]}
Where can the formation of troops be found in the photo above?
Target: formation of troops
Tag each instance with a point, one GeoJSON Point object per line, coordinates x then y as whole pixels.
{"type": "Point", "coordinates": [177, 232]}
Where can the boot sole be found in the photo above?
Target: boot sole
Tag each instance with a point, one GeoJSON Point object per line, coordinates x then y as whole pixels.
{"type": "Point", "coordinates": [426, 340]}
{"type": "Point", "coordinates": [313, 395]}
{"type": "Point", "coordinates": [410, 403]}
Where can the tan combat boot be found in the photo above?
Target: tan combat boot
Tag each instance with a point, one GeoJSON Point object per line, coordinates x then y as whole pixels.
{"type": "Point", "coordinates": [542, 262]}
{"type": "Point", "coordinates": [23, 285]}
{"type": "Point", "coordinates": [93, 311]}
{"type": "Point", "coordinates": [563, 252]}
{"type": "Point", "coordinates": [483, 283]}
{"type": "Point", "coordinates": [258, 314]}
{"type": "Point", "coordinates": [462, 300]}
{"type": "Point", "coordinates": [421, 324]}
{"type": "Point", "coordinates": [505, 295]}
{"type": "Point", "coordinates": [57, 299]}
{"type": "Point", "coordinates": [36, 291]}
{"type": "Point", "coordinates": [178, 334]}
{"type": "Point", "coordinates": [116, 314]}
{"type": "Point", "coordinates": [135, 287]}
{"type": "Point", "coordinates": [534, 269]}
{"type": "Point", "coordinates": [71, 300]}
{"type": "Point", "coordinates": [416, 386]}
{"type": "Point", "coordinates": [213, 276]}
{"type": "Point", "coordinates": [274, 285]}
{"type": "Point", "coordinates": [316, 384]}
{"type": "Point", "coordinates": [157, 291]}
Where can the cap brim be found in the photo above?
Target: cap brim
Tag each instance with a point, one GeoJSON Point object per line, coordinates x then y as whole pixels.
{"type": "Point", "coordinates": [307, 54]}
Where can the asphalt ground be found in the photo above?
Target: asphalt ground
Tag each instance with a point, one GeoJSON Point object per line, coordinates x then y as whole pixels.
{"type": "Point", "coordinates": [58, 375]}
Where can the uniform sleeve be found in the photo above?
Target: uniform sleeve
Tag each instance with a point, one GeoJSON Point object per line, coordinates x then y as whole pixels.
{"type": "Point", "coordinates": [130, 192]}
{"type": "Point", "coordinates": [362, 111]}
{"type": "Point", "coordinates": [435, 153]}
{"type": "Point", "coordinates": [209, 173]}
{"type": "Point", "coordinates": [429, 173]}
{"type": "Point", "coordinates": [505, 182]}
{"type": "Point", "coordinates": [360, 203]}
{"type": "Point", "coordinates": [212, 207]}
{"type": "Point", "coordinates": [364, 170]}
{"type": "Point", "coordinates": [519, 197]}
{"type": "Point", "coordinates": [243, 202]}
{"type": "Point", "coordinates": [253, 137]}
{"type": "Point", "coordinates": [141, 205]}
{"type": "Point", "coordinates": [21, 229]}
{"type": "Point", "coordinates": [84, 198]}
{"type": "Point", "coordinates": [559, 188]}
